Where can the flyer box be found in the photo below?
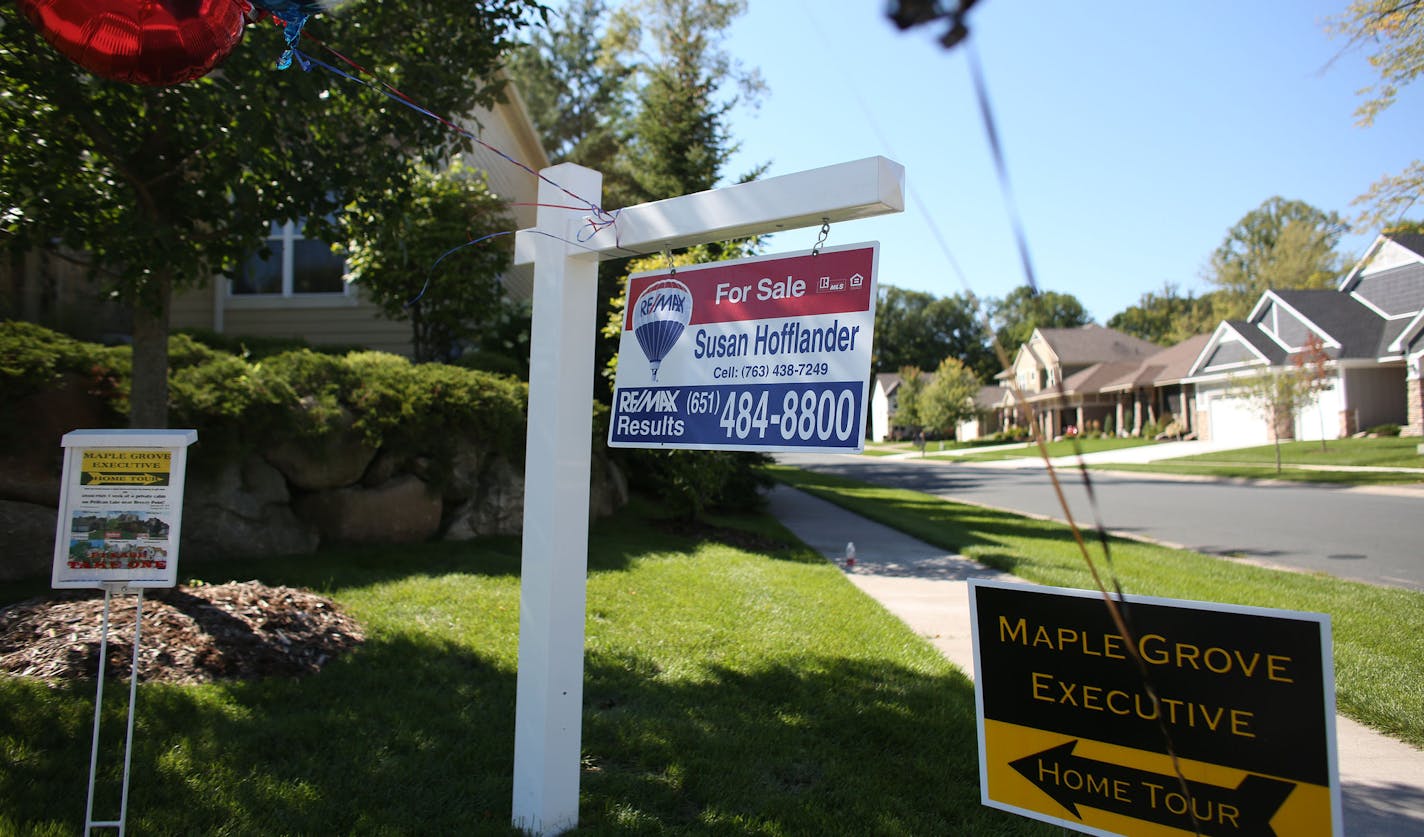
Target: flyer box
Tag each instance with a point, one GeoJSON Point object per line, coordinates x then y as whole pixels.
{"type": "Point", "coordinates": [120, 508]}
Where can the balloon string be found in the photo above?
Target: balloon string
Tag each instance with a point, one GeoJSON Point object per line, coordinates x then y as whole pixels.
{"type": "Point", "coordinates": [602, 219]}
{"type": "Point", "coordinates": [430, 275]}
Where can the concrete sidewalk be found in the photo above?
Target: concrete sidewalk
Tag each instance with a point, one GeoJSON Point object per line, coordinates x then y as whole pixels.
{"type": "Point", "coordinates": [1382, 780]}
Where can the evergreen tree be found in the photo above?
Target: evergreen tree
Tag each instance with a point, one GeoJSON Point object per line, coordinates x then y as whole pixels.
{"type": "Point", "coordinates": [680, 138]}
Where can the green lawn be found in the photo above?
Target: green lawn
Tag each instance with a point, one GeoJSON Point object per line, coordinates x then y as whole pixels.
{"type": "Point", "coordinates": [1378, 631]}
{"type": "Point", "coordinates": [727, 692]}
{"type": "Point", "coordinates": [1063, 447]}
{"type": "Point", "coordinates": [1265, 472]}
{"type": "Point", "coordinates": [1385, 451]}
{"type": "Point", "coordinates": [1301, 462]}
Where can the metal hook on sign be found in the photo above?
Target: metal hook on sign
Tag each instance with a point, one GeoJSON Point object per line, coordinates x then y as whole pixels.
{"type": "Point", "coordinates": [821, 238]}
{"type": "Point", "coordinates": [672, 268]}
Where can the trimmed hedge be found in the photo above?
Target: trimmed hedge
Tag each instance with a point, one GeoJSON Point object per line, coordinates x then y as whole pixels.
{"type": "Point", "coordinates": [238, 404]}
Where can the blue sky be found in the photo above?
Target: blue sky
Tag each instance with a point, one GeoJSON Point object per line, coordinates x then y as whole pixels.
{"type": "Point", "coordinates": [1136, 133]}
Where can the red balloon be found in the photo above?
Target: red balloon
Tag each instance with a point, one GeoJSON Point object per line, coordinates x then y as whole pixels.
{"type": "Point", "coordinates": [153, 42]}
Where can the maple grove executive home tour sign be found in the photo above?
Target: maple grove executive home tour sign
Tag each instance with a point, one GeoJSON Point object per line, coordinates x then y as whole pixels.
{"type": "Point", "coordinates": [768, 353]}
{"type": "Point", "coordinates": [120, 508]}
{"type": "Point", "coordinates": [1069, 732]}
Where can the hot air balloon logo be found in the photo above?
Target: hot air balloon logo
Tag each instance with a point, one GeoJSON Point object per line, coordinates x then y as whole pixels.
{"type": "Point", "coordinates": [659, 317]}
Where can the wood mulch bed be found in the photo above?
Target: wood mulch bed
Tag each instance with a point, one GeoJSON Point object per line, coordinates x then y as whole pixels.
{"type": "Point", "coordinates": [198, 634]}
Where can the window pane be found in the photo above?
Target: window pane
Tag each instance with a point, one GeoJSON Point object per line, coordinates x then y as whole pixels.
{"type": "Point", "coordinates": [259, 275]}
{"type": "Point", "coordinates": [315, 269]}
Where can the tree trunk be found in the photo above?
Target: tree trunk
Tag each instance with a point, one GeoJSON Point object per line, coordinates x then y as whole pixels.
{"type": "Point", "coordinates": [148, 400]}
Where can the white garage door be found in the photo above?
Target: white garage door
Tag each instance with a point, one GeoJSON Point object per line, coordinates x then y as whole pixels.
{"type": "Point", "coordinates": [1233, 420]}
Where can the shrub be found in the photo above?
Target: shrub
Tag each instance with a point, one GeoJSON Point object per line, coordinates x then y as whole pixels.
{"type": "Point", "coordinates": [690, 483]}
{"type": "Point", "coordinates": [33, 357]}
{"type": "Point", "coordinates": [318, 382]}
{"type": "Point", "coordinates": [1384, 430]}
{"type": "Point", "coordinates": [1016, 433]}
{"type": "Point", "coordinates": [236, 405]}
{"type": "Point", "coordinates": [232, 404]}
{"type": "Point", "coordinates": [258, 348]}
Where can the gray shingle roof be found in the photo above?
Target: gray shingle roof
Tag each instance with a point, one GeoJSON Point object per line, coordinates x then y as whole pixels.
{"type": "Point", "coordinates": [1093, 343]}
{"type": "Point", "coordinates": [1345, 319]}
{"type": "Point", "coordinates": [1397, 291]}
{"type": "Point", "coordinates": [1259, 340]}
{"type": "Point", "coordinates": [1166, 367]}
{"type": "Point", "coordinates": [1413, 241]}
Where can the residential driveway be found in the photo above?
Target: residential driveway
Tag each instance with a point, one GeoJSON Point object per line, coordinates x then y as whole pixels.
{"type": "Point", "coordinates": [1367, 534]}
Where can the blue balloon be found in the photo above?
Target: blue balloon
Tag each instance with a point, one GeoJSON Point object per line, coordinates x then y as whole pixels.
{"type": "Point", "coordinates": [293, 13]}
{"type": "Point", "coordinates": [660, 315]}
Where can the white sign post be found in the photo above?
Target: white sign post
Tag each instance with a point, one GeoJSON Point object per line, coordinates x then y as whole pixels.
{"type": "Point", "coordinates": [548, 715]}
{"type": "Point", "coordinates": [120, 517]}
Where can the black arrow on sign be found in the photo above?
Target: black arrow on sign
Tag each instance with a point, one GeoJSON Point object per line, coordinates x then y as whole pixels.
{"type": "Point", "coordinates": [1242, 811]}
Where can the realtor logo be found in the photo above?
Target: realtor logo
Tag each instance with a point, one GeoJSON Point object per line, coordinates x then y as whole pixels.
{"type": "Point", "coordinates": [825, 285]}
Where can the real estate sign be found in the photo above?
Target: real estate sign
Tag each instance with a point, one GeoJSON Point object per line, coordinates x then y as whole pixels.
{"type": "Point", "coordinates": [769, 353]}
{"type": "Point", "coordinates": [120, 508]}
{"type": "Point", "coordinates": [1206, 718]}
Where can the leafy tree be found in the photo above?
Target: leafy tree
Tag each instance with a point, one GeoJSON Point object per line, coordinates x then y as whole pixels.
{"type": "Point", "coordinates": [908, 398]}
{"type": "Point", "coordinates": [949, 397]}
{"type": "Point", "coordinates": [159, 188]}
{"type": "Point", "coordinates": [1167, 318]}
{"type": "Point", "coordinates": [1282, 244]}
{"type": "Point", "coordinates": [1278, 393]}
{"type": "Point", "coordinates": [399, 250]}
{"type": "Point", "coordinates": [1394, 31]}
{"type": "Point", "coordinates": [914, 328]}
{"type": "Point", "coordinates": [1023, 310]}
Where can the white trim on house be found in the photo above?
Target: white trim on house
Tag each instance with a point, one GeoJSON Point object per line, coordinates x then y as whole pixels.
{"type": "Point", "coordinates": [1223, 331]}
{"type": "Point", "coordinates": [1270, 296]}
{"type": "Point", "coordinates": [1410, 332]}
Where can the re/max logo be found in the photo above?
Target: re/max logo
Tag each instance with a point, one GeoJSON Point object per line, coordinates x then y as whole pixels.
{"type": "Point", "coordinates": [662, 302]}
{"type": "Point", "coordinates": [647, 401]}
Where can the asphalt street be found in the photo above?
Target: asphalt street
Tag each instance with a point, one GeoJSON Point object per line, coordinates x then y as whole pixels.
{"type": "Point", "coordinates": [1367, 534]}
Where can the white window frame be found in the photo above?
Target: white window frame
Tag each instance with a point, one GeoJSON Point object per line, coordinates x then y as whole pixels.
{"type": "Point", "coordinates": [289, 233]}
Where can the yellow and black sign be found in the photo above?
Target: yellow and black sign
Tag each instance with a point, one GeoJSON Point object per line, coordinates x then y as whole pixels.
{"type": "Point", "coordinates": [1230, 731]}
{"type": "Point", "coordinates": [126, 466]}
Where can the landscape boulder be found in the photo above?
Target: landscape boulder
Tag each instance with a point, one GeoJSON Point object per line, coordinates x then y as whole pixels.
{"type": "Point", "coordinates": [403, 510]}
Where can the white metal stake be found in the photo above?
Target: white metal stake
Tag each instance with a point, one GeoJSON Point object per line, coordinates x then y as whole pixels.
{"type": "Point", "coordinates": [549, 707]}
{"type": "Point", "coordinates": [98, 705]}
{"type": "Point", "coordinates": [89, 822]}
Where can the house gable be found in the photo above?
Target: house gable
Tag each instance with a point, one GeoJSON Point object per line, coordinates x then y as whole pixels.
{"type": "Point", "coordinates": [1389, 279]}
{"type": "Point", "coordinates": [1285, 325]}
{"type": "Point", "coordinates": [1394, 293]}
{"type": "Point", "coordinates": [1348, 327]}
{"type": "Point", "coordinates": [1231, 353]}
{"type": "Point", "coordinates": [1233, 345]}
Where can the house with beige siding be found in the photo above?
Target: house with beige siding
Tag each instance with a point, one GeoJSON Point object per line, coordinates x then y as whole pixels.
{"type": "Point", "coordinates": [1060, 374]}
{"type": "Point", "coordinates": [301, 290]}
